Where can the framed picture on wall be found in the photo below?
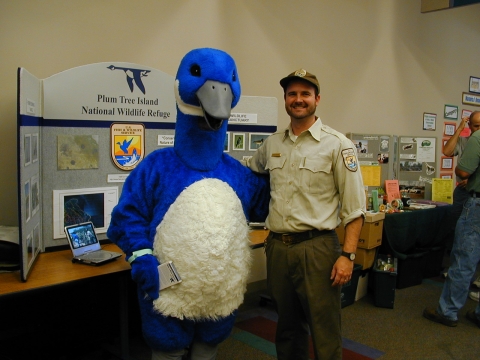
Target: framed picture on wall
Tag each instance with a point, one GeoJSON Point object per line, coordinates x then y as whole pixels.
{"type": "Point", "coordinates": [466, 113]}
{"type": "Point", "coordinates": [429, 121]}
{"type": "Point", "coordinates": [226, 145]}
{"type": "Point", "coordinates": [446, 176]}
{"type": "Point", "coordinates": [474, 85]}
{"type": "Point", "coordinates": [256, 140]}
{"type": "Point", "coordinates": [35, 147]}
{"type": "Point", "coordinates": [27, 147]}
{"type": "Point", "coordinates": [451, 112]}
{"type": "Point", "coordinates": [449, 128]}
{"type": "Point", "coordinates": [444, 142]}
{"type": "Point", "coordinates": [447, 163]}
{"type": "Point", "coordinates": [238, 141]}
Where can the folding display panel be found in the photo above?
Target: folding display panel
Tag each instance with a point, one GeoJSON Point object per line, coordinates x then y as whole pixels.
{"type": "Point", "coordinates": [75, 125]}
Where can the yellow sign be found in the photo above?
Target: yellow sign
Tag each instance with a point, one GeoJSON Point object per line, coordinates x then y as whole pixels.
{"type": "Point", "coordinates": [442, 190]}
{"type": "Point", "coordinates": [371, 175]}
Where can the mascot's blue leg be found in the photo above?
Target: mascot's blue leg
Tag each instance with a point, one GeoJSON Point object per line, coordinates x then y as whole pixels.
{"type": "Point", "coordinates": [214, 332]}
{"type": "Point", "coordinates": [164, 333]}
{"type": "Point", "coordinates": [169, 334]}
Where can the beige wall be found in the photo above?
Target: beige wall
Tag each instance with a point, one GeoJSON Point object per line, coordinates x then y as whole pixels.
{"type": "Point", "coordinates": [381, 63]}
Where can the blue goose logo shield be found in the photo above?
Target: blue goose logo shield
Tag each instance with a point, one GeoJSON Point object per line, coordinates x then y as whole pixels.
{"type": "Point", "coordinates": [127, 144]}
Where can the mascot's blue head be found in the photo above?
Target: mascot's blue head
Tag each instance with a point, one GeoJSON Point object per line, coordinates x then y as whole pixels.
{"type": "Point", "coordinates": [207, 87]}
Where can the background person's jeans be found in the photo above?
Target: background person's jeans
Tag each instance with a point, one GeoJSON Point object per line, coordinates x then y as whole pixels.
{"type": "Point", "coordinates": [464, 258]}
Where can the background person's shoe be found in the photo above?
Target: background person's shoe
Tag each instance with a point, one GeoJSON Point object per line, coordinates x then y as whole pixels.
{"type": "Point", "coordinates": [433, 315]}
{"type": "Point", "coordinates": [474, 295]}
{"type": "Point", "coordinates": [472, 317]}
{"type": "Point", "coordinates": [476, 282]}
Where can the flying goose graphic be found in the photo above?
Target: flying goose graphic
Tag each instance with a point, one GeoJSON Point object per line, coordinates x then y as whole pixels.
{"type": "Point", "coordinates": [124, 146]}
{"type": "Point", "coordinates": [133, 75]}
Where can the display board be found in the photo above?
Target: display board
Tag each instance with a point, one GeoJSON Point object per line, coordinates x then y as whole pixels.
{"type": "Point", "coordinates": [89, 123]}
{"type": "Point", "coordinates": [377, 158]}
{"type": "Point", "coordinates": [417, 165]}
{"type": "Point", "coordinates": [29, 163]}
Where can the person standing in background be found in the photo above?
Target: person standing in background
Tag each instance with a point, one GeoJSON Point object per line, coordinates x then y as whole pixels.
{"type": "Point", "coordinates": [455, 147]}
{"type": "Point", "coordinates": [465, 253]}
{"type": "Point", "coordinates": [315, 182]}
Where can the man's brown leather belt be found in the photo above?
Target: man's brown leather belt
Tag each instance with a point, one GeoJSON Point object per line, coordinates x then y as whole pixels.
{"type": "Point", "coordinates": [295, 238]}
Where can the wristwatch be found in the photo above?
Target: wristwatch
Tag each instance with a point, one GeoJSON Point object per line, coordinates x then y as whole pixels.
{"type": "Point", "coordinates": [350, 256]}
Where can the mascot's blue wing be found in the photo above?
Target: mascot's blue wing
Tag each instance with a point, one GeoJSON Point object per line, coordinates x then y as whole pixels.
{"type": "Point", "coordinates": [256, 187]}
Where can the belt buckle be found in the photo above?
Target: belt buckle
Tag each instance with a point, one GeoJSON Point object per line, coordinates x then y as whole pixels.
{"type": "Point", "coordinates": [287, 238]}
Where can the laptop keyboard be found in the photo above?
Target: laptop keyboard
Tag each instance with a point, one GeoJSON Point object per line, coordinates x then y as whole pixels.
{"type": "Point", "coordinates": [97, 257]}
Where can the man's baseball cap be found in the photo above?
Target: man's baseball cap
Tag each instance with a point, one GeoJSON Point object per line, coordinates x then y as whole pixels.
{"type": "Point", "coordinates": [300, 74]}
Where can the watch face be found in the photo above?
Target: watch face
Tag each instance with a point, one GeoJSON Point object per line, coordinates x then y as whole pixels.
{"type": "Point", "coordinates": [352, 256]}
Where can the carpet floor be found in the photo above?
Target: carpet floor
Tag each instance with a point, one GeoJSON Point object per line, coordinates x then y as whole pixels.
{"type": "Point", "coordinates": [369, 332]}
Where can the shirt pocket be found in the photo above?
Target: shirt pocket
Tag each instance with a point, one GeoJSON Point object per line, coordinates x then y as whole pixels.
{"type": "Point", "coordinates": [275, 167]}
{"type": "Point", "coordinates": [316, 174]}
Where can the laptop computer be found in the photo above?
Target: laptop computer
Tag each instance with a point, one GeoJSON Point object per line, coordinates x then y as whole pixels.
{"type": "Point", "coordinates": [85, 246]}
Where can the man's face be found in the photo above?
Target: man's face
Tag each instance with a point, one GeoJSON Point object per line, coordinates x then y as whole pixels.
{"type": "Point", "coordinates": [300, 99]}
{"type": "Point", "coordinates": [474, 123]}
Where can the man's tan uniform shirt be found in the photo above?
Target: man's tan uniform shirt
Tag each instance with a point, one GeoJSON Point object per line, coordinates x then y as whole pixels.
{"type": "Point", "coordinates": [315, 179]}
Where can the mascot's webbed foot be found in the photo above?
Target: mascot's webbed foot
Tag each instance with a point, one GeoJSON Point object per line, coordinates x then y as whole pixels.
{"type": "Point", "coordinates": [145, 274]}
{"type": "Point", "coordinates": [167, 333]}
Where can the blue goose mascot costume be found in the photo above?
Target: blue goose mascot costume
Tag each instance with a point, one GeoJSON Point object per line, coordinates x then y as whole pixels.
{"type": "Point", "coordinates": [190, 204]}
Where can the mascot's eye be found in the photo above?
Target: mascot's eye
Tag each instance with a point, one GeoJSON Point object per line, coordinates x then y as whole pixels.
{"type": "Point", "coordinates": [195, 70]}
{"type": "Point", "coordinates": [234, 77]}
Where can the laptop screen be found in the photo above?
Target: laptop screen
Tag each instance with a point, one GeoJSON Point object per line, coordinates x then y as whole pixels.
{"type": "Point", "coordinates": [82, 238]}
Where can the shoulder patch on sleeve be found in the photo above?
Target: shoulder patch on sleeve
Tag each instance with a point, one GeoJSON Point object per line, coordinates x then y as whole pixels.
{"type": "Point", "coordinates": [350, 159]}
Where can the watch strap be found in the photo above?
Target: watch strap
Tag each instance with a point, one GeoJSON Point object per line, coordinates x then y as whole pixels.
{"type": "Point", "coordinates": [348, 255]}
{"type": "Point", "coordinates": [139, 253]}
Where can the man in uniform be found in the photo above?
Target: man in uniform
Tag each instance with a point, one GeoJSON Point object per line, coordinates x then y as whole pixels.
{"type": "Point", "coordinates": [315, 182]}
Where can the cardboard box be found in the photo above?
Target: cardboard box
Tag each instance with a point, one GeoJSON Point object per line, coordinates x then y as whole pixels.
{"type": "Point", "coordinates": [371, 234]}
{"type": "Point", "coordinates": [374, 216]}
{"type": "Point", "coordinates": [365, 257]}
{"type": "Point", "coordinates": [349, 289]}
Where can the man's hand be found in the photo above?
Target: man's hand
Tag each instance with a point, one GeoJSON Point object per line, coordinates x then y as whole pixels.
{"type": "Point", "coordinates": [463, 123]}
{"type": "Point", "coordinates": [342, 271]}
{"type": "Point", "coordinates": [463, 183]}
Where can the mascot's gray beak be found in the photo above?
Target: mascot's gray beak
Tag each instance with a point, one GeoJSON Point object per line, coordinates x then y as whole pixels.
{"type": "Point", "coordinates": [216, 102]}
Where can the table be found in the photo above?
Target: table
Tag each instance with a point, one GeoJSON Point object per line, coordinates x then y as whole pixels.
{"type": "Point", "coordinates": [417, 239]}
{"type": "Point", "coordinates": [257, 237]}
{"type": "Point", "coordinates": [54, 270]}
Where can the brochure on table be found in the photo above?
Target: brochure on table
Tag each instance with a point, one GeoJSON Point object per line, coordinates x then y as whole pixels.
{"type": "Point", "coordinates": [69, 163]}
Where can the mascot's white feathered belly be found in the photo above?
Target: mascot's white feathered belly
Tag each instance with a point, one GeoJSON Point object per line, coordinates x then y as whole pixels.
{"type": "Point", "coordinates": [205, 234]}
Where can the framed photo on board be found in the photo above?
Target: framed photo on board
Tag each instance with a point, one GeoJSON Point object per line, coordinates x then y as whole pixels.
{"type": "Point", "coordinates": [238, 141]}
